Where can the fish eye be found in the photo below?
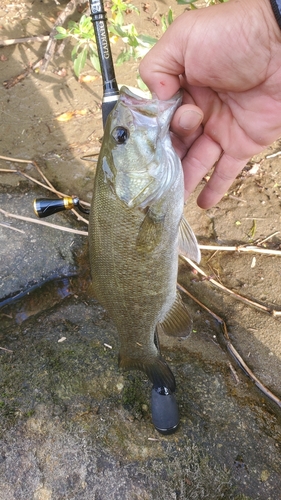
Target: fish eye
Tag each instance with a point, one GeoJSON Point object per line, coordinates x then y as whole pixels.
{"type": "Point", "coordinates": [120, 135]}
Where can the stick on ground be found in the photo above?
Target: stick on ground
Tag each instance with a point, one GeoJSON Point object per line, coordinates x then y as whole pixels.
{"type": "Point", "coordinates": [234, 353]}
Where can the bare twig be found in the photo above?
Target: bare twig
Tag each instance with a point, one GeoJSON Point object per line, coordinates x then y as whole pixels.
{"type": "Point", "coordinates": [235, 376]}
{"type": "Point", "coordinates": [235, 198]}
{"type": "Point", "coordinates": [260, 242]}
{"type": "Point", "coordinates": [51, 46]}
{"type": "Point", "coordinates": [14, 41]}
{"type": "Point", "coordinates": [247, 301]}
{"type": "Point", "coordinates": [43, 223]}
{"type": "Point", "coordinates": [17, 160]}
{"type": "Point", "coordinates": [274, 154]}
{"type": "Point", "coordinates": [7, 350]}
{"type": "Point", "coordinates": [11, 227]}
{"type": "Point", "coordinates": [234, 352]}
{"type": "Point", "coordinates": [241, 249]}
{"type": "Point", "coordinates": [49, 186]}
{"type": "Point", "coordinates": [19, 172]}
{"type": "Point", "coordinates": [8, 84]}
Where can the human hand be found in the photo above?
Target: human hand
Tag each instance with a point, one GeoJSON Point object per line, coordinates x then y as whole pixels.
{"type": "Point", "coordinates": [227, 58]}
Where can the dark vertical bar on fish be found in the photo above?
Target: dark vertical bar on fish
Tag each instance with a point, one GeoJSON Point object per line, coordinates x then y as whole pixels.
{"type": "Point", "coordinates": [110, 87]}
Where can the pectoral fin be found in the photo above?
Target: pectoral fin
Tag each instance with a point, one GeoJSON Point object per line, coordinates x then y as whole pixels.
{"type": "Point", "coordinates": [177, 322]}
{"type": "Point", "coordinates": [151, 231]}
{"type": "Point", "coordinates": [187, 244]}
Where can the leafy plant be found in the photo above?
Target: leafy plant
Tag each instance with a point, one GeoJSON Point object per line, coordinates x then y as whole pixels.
{"type": "Point", "coordinates": [118, 8]}
{"type": "Point", "coordinates": [83, 33]}
{"type": "Point", "coordinates": [193, 2]}
{"type": "Point", "coordinates": [136, 46]}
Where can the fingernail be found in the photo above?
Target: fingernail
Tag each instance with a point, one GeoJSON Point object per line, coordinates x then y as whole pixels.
{"type": "Point", "coordinates": [190, 119]}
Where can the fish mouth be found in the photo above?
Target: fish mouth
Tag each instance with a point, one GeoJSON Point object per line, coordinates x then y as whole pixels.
{"type": "Point", "coordinates": [150, 107]}
{"type": "Point", "coordinates": [130, 97]}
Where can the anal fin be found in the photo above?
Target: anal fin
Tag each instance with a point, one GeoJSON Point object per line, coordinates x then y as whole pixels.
{"type": "Point", "coordinates": [177, 322]}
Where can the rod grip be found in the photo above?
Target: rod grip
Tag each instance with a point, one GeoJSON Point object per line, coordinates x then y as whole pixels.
{"type": "Point", "coordinates": [43, 207]}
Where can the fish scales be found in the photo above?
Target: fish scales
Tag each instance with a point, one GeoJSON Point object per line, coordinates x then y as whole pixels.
{"type": "Point", "coordinates": [135, 218]}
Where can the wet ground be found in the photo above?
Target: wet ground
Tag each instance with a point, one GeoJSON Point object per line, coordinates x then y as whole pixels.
{"type": "Point", "coordinates": [72, 425]}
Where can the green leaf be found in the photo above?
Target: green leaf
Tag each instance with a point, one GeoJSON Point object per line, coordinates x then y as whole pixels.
{"type": "Point", "coordinates": [123, 57]}
{"type": "Point", "coordinates": [164, 24]}
{"type": "Point", "coordinates": [72, 24]}
{"type": "Point", "coordinates": [61, 33]}
{"type": "Point", "coordinates": [85, 23]}
{"type": "Point", "coordinates": [95, 61]}
{"type": "Point", "coordinates": [80, 61]}
{"type": "Point", "coordinates": [146, 40]}
{"type": "Point", "coordinates": [60, 36]}
{"type": "Point", "coordinates": [170, 17]}
{"type": "Point", "coordinates": [184, 2]}
{"type": "Point", "coordinates": [119, 19]}
{"type": "Point", "coordinates": [61, 30]}
{"type": "Point", "coordinates": [117, 30]}
{"type": "Point", "coordinates": [74, 52]}
{"type": "Point", "coordinates": [140, 52]}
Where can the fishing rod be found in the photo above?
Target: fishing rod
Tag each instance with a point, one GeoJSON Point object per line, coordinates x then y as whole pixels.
{"type": "Point", "coordinates": [43, 207]}
{"type": "Point", "coordinates": [110, 87]}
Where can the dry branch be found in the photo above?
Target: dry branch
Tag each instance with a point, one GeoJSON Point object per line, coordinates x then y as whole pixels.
{"type": "Point", "coordinates": [51, 46]}
{"type": "Point", "coordinates": [49, 186]}
{"type": "Point", "coordinates": [7, 350]}
{"type": "Point", "coordinates": [240, 249]}
{"type": "Point", "coordinates": [43, 223]}
{"type": "Point", "coordinates": [231, 349]}
{"type": "Point", "coordinates": [237, 296]}
{"type": "Point", "coordinates": [11, 227]}
{"type": "Point", "coordinates": [30, 39]}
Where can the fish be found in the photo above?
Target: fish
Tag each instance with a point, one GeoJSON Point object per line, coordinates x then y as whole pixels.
{"type": "Point", "coordinates": [136, 231]}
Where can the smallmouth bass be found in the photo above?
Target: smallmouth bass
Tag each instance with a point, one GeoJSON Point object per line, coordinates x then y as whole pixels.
{"type": "Point", "coordinates": [137, 229]}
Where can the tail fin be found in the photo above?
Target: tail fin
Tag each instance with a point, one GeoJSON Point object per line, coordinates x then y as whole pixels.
{"type": "Point", "coordinates": [155, 368]}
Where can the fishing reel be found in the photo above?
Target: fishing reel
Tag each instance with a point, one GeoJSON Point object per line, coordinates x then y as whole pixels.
{"type": "Point", "coordinates": [43, 207]}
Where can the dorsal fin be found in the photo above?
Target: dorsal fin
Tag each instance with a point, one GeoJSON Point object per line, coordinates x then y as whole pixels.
{"type": "Point", "coordinates": [187, 244]}
{"type": "Point", "coordinates": [177, 322]}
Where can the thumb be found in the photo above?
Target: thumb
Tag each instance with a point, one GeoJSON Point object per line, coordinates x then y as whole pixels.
{"type": "Point", "coordinates": [186, 120]}
{"type": "Point", "coordinates": [162, 65]}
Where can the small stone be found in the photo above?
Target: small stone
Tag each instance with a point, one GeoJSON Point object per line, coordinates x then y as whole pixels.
{"type": "Point", "coordinates": [264, 475]}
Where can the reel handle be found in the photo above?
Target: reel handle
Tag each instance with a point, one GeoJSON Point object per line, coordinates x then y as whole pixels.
{"type": "Point", "coordinates": [43, 207]}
